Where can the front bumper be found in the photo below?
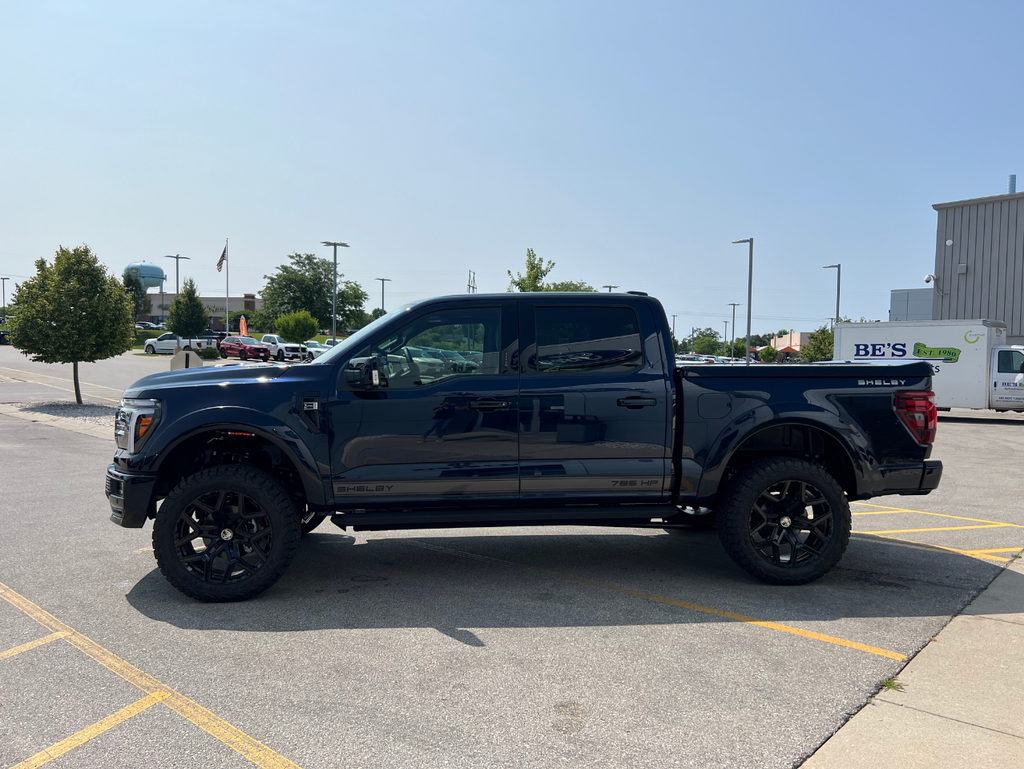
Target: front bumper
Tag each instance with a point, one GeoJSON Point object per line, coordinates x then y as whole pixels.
{"type": "Point", "coordinates": [131, 496]}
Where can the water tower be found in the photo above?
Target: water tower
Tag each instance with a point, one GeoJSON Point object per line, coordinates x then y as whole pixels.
{"type": "Point", "coordinates": [150, 275]}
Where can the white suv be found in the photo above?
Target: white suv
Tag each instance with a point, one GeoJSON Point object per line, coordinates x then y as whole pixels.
{"type": "Point", "coordinates": [283, 350]}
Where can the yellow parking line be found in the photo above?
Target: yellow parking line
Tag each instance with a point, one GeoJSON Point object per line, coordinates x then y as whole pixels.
{"type": "Point", "coordinates": [30, 645]}
{"type": "Point", "coordinates": [939, 528]}
{"type": "Point", "coordinates": [912, 545]}
{"type": "Point", "coordinates": [937, 515]}
{"type": "Point", "coordinates": [82, 737]}
{"type": "Point", "coordinates": [681, 604]}
{"type": "Point", "coordinates": [234, 738]}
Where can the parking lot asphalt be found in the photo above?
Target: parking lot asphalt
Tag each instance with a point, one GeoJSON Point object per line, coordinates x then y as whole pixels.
{"type": "Point", "coordinates": [464, 648]}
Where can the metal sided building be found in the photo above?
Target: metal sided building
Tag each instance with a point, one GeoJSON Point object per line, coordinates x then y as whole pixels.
{"type": "Point", "coordinates": [979, 262]}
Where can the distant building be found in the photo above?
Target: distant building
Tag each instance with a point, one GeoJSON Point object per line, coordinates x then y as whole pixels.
{"type": "Point", "coordinates": [789, 345]}
{"type": "Point", "coordinates": [214, 305]}
{"type": "Point", "coordinates": [910, 304]}
{"type": "Point", "coordinates": [979, 262]}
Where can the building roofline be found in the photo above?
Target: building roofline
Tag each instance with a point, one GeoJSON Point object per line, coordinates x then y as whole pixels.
{"type": "Point", "coordinates": [975, 201]}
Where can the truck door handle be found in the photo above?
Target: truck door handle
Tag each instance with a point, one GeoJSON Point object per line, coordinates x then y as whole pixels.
{"type": "Point", "coordinates": [488, 404]}
{"type": "Point", "coordinates": [637, 403]}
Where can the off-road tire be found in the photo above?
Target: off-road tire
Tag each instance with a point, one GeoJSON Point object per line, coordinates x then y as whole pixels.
{"type": "Point", "coordinates": [277, 507]}
{"type": "Point", "coordinates": [736, 519]}
{"type": "Point", "coordinates": [311, 523]}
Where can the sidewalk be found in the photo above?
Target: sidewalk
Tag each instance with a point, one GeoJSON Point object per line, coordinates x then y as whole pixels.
{"type": "Point", "coordinates": [961, 705]}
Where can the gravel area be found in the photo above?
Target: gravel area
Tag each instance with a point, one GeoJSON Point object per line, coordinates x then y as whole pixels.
{"type": "Point", "coordinates": [102, 416]}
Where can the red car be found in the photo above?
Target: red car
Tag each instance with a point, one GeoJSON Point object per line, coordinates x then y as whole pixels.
{"type": "Point", "coordinates": [244, 347]}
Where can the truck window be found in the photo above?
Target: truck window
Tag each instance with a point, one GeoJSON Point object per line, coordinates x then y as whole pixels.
{"type": "Point", "coordinates": [440, 346]}
{"type": "Point", "coordinates": [1010, 362]}
{"type": "Point", "coordinates": [587, 340]}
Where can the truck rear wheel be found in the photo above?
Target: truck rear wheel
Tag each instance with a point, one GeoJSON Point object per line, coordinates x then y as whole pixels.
{"type": "Point", "coordinates": [785, 521]}
{"type": "Point", "coordinates": [226, 533]}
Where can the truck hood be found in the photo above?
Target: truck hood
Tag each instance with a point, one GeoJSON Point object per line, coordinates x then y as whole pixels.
{"type": "Point", "coordinates": [205, 377]}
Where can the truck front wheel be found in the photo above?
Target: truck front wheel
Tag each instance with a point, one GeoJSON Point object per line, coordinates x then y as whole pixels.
{"type": "Point", "coordinates": [226, 533]}
{"type": "Point", "coordinates": [785, 521]}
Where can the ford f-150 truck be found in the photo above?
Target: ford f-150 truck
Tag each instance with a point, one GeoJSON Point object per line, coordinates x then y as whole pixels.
{"type": "Point", "coordinates": [574, 413]}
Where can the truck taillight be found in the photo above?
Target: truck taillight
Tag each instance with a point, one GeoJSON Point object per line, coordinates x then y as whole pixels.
{"type": "Point", "coordinates": [917, 411]}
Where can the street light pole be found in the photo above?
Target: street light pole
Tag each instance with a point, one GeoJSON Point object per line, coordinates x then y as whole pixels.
{"type": "Point", "coordinates": [726, 335]}
{"type": "Point", "coordinates": [382, 282]}
{"type": "Point", "coordinates": [334, 295]}
{"type": "Point", "coordinates": [750, 290]}
{"type": "Point", "coordinates": [732, 344]}
{"type": "Point", "coordinates": [673, 327]}
{"type": "Point", "coordinates": [609, 288]}
{"type": "Point", "coordinates": [177, 260]}
{"type": "Point", "coordinates": [839, 279]}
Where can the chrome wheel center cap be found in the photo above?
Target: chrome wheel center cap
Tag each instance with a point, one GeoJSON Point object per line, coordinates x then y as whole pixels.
{"type": "Point", "coordinates": [785, 521]}
{"type": "Point", "coordinates": [228, 534]}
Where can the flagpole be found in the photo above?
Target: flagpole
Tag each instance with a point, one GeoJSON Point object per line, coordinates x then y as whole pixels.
{"type": "Point", "coordinates": [227, 291]}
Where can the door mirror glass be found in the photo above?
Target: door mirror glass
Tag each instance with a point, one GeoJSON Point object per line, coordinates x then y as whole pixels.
{"type": "Point", "coordinates": [365, 374]}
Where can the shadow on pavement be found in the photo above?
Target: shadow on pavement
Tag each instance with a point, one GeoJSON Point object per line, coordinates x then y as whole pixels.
{"type": "Point", "coordinates": [518, 581]}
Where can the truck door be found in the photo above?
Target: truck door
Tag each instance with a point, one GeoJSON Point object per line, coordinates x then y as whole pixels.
{"type": "Point", "coordinates": [1008, 379]}
{"type": "Point", "coordinates": [593, 407]}
{"type": "Point", "coordinates": [437, 431]}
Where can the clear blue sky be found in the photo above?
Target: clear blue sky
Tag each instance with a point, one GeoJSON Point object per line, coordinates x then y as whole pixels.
{"type": "Point", "coordinates": [628, 142]}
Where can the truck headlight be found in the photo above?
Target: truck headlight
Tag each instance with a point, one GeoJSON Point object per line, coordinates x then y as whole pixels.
{"type": "Point", "coordinates": [136, 420]}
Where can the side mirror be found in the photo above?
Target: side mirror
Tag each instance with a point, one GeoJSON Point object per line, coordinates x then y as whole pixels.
{"type": "Point", "coordinates": [364, 374]}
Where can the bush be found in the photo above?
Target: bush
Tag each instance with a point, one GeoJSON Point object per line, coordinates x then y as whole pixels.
{"type": "Point", "coordinates": [209, 353]}
{"type": "Point", "coordinates": [298, 326]}
{"type": "Point", "coordinates": [141, 335]}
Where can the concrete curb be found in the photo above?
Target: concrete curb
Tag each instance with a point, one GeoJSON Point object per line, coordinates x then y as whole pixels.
{"type": "Point", "coordinates": [961, 701]}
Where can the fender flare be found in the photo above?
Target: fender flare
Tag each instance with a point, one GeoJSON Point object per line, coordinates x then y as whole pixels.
{"type": "Point", "coordinates": [249, 421]}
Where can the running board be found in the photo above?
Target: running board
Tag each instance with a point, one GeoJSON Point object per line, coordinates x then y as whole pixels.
{"type": "Point", "coordinates": [619, 515]}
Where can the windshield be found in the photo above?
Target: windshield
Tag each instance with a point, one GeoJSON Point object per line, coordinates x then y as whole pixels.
{"type": "Point", "coordinates": [313, 344]}
{"type": "Point", "coordinates": [247, 340]}
{"type": "Point", "coordinates": [346, 346]}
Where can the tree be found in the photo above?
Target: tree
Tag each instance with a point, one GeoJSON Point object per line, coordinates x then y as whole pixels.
{"type": "Point", "coordinates": [72, 312]}
{"type": "Point", "coordinates": [769, 354]}
{"type": "Point", "coordinates": [297, 326]}
{"type": "Point", "coordinates": [378, 312]}
{"type": "Point", "coordinates": [819, 345]}
{"type": "Point", "coordinates": [187, 316]}
{"type": "Point", "coordinates": [536, 271]}
{"type": "Point", "coordinates": [141, 303]}
{"type": "Point", "coordinates": [307, 284]}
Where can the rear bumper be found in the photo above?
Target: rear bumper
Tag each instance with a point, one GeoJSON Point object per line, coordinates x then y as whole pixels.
{"type": "Point", "coordinates": [931, 474]}
{"type": "Point", "coordinates": [131, 496]}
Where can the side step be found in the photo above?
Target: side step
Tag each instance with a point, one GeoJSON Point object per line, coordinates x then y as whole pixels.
{"type": "Point", "coordinates": [618, 515]}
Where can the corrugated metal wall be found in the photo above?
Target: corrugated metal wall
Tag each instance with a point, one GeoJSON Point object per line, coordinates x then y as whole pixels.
{"type": "Point", "coordinates": [988, 237]}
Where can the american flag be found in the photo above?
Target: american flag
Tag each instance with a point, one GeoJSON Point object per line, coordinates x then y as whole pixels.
{"type": "Point", "coordinates": [223, 258]}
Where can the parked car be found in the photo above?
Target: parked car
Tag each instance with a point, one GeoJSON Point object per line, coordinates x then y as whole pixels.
{"type": "Point", "coordinates": [145, 325]}
{"type": "Point", "coordinates": [214, 337]}
{"type": "Point", "coordinates": [169, 342]}
{"type": "Point", "coordinates": [333, 342]}
{"type": "Point", "coordinates": [244, 347]}
{"type": "Point", "coordinates": [283, 350]}
{"type": "Point", "coordinates": [315, 349]}
{"type": "Point", "coordinates": [592, 423]}
{"type": "Point", "coordinates": [4, 337]}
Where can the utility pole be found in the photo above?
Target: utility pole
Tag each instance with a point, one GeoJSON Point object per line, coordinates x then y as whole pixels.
{"type": "Point", "coordinates": [471, 283]}
{"type": "Point", "coordinates": [839, 279]}
{"type": "Point", "coordinates": [334, 296]}
{"type": "Point", "coordinates": [609, 288]}
{"type": "Point", "coordinates": [177, 260]}
{"type": "Point", "coordinates": [732, 344]}
{"type": "Point", "coordinates": [750, 290]}
{"type": "Point", "coordinates": [382, 282]}
{"type": "Point", "coordinates": [673, 327]}
{"type": "Point", "coordinates": [726, 335]}
{"type": "Point", "coordinates": [3, 283]}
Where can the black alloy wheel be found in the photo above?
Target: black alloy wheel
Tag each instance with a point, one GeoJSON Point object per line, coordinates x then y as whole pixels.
{"type": "Point", "coordinates": [226, 533]}
{"type": "Point", "coordinates": [785, 521]}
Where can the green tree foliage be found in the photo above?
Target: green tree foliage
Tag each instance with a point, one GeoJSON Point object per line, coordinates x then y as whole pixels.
{"type": "Point", "coordinates": [297, 326]}
{"type": "Point", "coordinates": [307, 284]}
{"type": "Point", "coordinates": [139, 299]}
{"type": "Point", "coordinates": [378, 312]}
{"type": "Point", "coordinates": [187, 316]}
{"type": "Point", "coordinates": [141, 303]}
{"type": "Point", "coordinates": [72, 312]}
{"type": "Point", "coordinates": [536, 272]}
{"type": "Point", "coordinates": [819, 345]}
{"type": "Point", "coordinates": [769, 354]}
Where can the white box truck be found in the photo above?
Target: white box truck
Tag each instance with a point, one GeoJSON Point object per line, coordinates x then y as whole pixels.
{"type": "Point", "coordinates": [974, 367]}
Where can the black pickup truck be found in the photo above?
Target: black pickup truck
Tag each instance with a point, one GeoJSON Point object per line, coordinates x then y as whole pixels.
{"type": "Point", "coordinates": [512, 409]}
